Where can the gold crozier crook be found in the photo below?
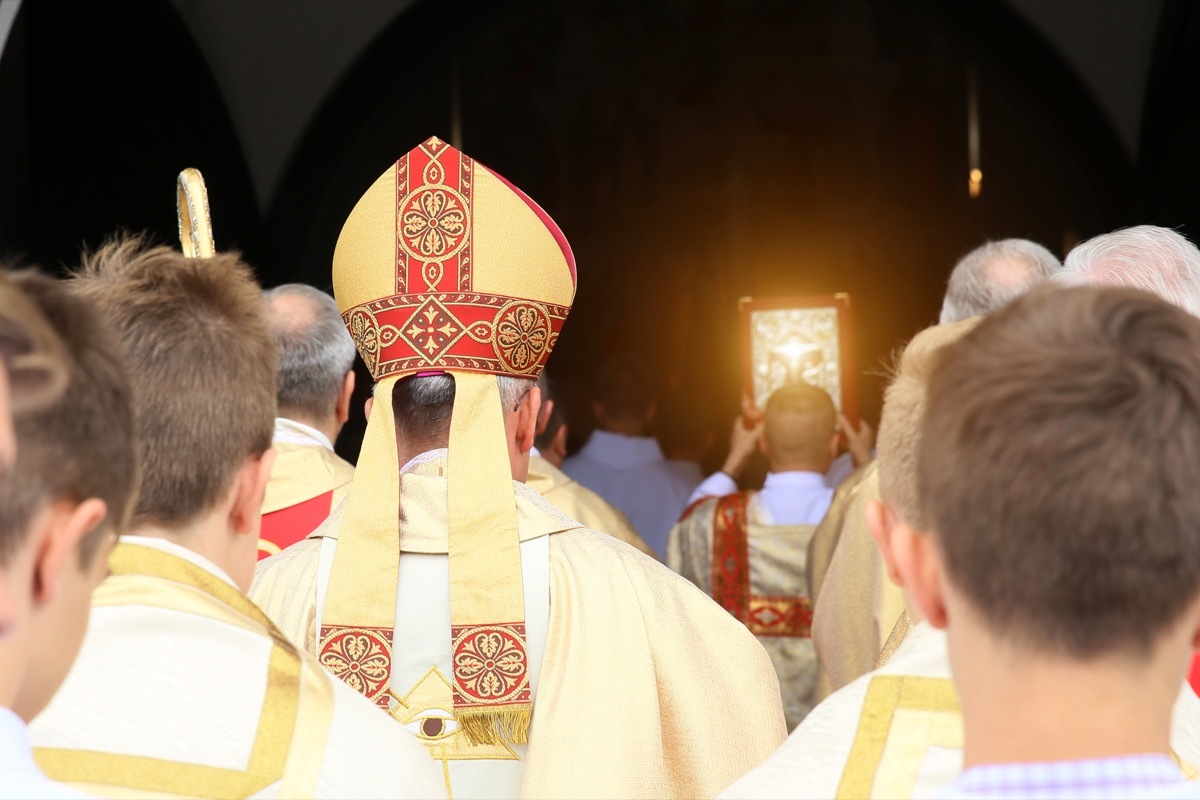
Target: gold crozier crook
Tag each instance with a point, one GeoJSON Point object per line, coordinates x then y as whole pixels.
{"type": "Point", "coordinates": [195, 224]}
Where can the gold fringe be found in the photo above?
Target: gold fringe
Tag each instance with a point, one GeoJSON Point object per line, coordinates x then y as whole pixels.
{"type": "Point", "coordinates": [486, 726]}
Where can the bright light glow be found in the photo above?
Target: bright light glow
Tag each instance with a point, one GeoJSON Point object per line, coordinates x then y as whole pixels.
{"type": "Point", "coordinates": [975, 182]}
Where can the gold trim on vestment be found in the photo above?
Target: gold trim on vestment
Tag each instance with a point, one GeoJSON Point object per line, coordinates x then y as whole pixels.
{"type": "Point", "coordinates": [887, 694]}
{"type": "Point", "coordinates": [276, 755]}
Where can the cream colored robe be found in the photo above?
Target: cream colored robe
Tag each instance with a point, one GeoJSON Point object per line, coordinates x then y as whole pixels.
{"type": "Point", "coordinates": [896, 733]}
{"type": "Point", "coordinates": [184, 688]}
{"type": "Point", "coordinates": [582, 504]}
{"type": "Point", "coordinates": [643, 687]}
{"type": "Point", "coordinates": [856, 606]}
{"type": "Point", "coordinates": [776, 559]}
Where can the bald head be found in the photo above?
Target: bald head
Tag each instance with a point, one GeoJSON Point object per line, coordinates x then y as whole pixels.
{"type": "Point", "coordinates": [1156, 260]}
{"type": "Point", "coordinates": [993, 274]}
{"type": "Point", "coordinates": [903, 408]}
{"type": "Point", "coordinates": [799, 430]}
{"type": "Point", "coordinates": [315, 351]}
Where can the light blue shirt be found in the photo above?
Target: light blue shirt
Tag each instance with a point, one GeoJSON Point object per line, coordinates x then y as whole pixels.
{"type": "Point", "coordinates": [631, 473]}
{"type": "Point", "coordinates": [788, 498]}
{"type": "Point", "coordinates": [20, 777]}
{"type": "Point", "coordinates": [1148, 775]}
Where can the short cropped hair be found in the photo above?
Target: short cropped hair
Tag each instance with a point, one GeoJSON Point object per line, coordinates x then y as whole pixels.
{"type": "Point", "coordinates": [30, 351]}
{"type": "Point", "coordinates": [1058, 463]}
{"type": "Point", "coordinates": [315, 349]}
{"type": "Point", "coordinates": [558, 413]}
{"type": "Point", "coordinates": [900, 422]}
{"type": "Point", "coordinates": [82, 444]}
{"type": "Point", "coordinates": [799, 422]}
{"type": "Point", "coordinates": [201, 363]}
{"type": "Point", "coordinates": [1157, 260]}
{"type": "Point", "coordinates": [993, 274]}
{"type": "Point", "coordinates": [423, 405]}
{"type": "Point", "coordinates": [622, 390]}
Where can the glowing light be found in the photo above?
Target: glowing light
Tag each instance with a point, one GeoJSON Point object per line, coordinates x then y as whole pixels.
{"type": "Point", "coordinates": [975, 182]}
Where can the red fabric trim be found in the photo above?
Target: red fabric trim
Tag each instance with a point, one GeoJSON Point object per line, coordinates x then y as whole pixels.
{"type": "Point", "coordinates": [289, 525]}
{"type": "Point", "coordinates": [731, 555]}
{"type": "Point", "coordinates": [1194, 673]}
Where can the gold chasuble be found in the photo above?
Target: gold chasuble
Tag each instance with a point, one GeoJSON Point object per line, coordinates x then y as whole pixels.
{"type": "Point", "coordinates": [184, 688]}
{"type": "Point", "coordinates": [896, 733]}
{"type": "Point", "coordinates": [755, 571]}
{"type": "Point", "coordinates": [582, 504]}
{"type": "Point", "coordinates": [307, 482]}
{"type": "Point", "coordinates": [857, 607]}
{"type": "Point", "coordinates": [533, 656]}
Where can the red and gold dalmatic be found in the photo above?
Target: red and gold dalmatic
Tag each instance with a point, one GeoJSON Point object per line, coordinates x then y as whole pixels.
{"type": "Point", "coordinates": [443, 266]}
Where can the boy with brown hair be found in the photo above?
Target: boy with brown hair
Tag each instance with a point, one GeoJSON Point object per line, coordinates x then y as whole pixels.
{"type": "Point", "coordinates": [184, 687]}
{"type": "Point", "coordinates": [63, 504]}
{"type": "Point", "coordinates": [1057, 466]}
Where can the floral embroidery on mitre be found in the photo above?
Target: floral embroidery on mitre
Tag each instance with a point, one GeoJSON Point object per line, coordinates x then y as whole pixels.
{"type": "Point", "coordinates": [490, 664]}
{"type": "Point", "coordinates": [359, 657]}
{"type": "Point", "coordinates": [365, 332]}
{"type": "Point", "coordinates": [522, 336]}
{"type": "Point", "coordinates": [433, 224]}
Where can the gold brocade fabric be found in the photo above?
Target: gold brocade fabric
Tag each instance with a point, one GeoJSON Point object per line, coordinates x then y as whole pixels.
{"type": "Point", "coordinates": [820, 549]}
{"type": "Point", "coordinates": [580, 503]}
{"type": "Point", "coordinates": [633, 700]}
{"type": "Point", "coordinates": [302, 472]}
{"type": "Point", "coordinates": [858, 606]}
{"type": "Point", "coordinates": [776, 554]}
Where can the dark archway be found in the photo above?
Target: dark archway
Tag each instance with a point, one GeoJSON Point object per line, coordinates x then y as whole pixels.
{"type": "Point", "coordinates": [104, 103]}
{"type": "Point", "coordinates": [705, 151]}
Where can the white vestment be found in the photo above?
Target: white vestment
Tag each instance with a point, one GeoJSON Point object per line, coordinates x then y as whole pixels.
{"type": "Point", "coordinates": [897, 733]}
{"type": "Point", "coordinates": [183, 689]}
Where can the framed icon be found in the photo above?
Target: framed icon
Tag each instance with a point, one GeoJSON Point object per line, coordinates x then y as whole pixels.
{"type": "Point", "coordinates": [791, 339]}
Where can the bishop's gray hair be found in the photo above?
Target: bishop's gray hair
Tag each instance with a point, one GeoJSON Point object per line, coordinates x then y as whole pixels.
{"type": "Point", "coordinates": [992, 275]}
{"type": "Point", "coordinates": [423, 405]}
{"type": "Point", "coordinates": [1156, 260]}
{"type": "Point", "coordinates": [315, 349]}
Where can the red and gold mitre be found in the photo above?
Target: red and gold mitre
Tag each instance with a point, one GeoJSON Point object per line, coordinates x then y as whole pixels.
{"type": "Point", "coordinates": [444, 266]}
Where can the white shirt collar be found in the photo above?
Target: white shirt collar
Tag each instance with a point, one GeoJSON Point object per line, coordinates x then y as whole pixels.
{"type": "Point", "coordinates": [618, 451]}
{"type": "Point", "coordinates": [535, 453]}
{"type": "Point", "coordinates": [425, 458]}
{"type": "Point", "coordinates": [167, 546]}
{"type": "Point", "coordinates": [288, 431]}
{"type": "Point", "coordinates": [794, 480]}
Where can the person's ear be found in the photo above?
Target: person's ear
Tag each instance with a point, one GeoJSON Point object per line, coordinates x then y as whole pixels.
{"type": "Point", "coordinates": [762, 444]}
{"type": "Point", "coordinates": [920, 567]}
{"type": "Point", "coordinates": [835, 444]}
{"type": "Point", "coordinates": [367, 406]}
{"type": "Point", "coordinates": [345, 396]}
{"type": "Point", "coordinates": [58, 546]}
{"type": "Point", "coordinates": [881, 521]}
{"type": "Point", "coordinates": [245, 514]}
{"type": "Point", "coordinates": [544, 416]}
{"type": "Point", "coordinates": [527, 417]}
{"type": "Point", "coordinates": [559, 445]}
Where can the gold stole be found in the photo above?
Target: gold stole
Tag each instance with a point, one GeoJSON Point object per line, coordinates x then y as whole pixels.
{"type": "Point", "coordinates": [290, 742]}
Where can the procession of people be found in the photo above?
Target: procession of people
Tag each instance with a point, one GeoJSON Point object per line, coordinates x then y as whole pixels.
{"type": "Point", "coordinates": [997, 597]}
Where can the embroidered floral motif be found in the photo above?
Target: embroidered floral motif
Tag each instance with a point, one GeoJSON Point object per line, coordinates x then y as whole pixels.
{"type": "Point", "coordinates": [490, 665]}
{"type": "Point", "coordinates": [522, 336]}
{"type": "Point", "coordinates": [431, 330]}
{"type": "Point", "coordinates": [365, 332]}
{"type": "Point", "coordinates": [434, 223]}
{"type": "Point", "coordinates": [360, 657]}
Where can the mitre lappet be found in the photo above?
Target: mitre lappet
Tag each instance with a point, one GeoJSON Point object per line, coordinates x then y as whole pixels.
{"type": "Point", "coordinates": [443, 266]}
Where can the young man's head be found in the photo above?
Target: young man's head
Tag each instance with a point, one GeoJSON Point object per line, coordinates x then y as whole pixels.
{"type": "Point", "coordinates": [67, 498]}
{"type": "Point", "coordinates": [315, 381]}
{"type": "Point", "coordinates": [422, 406]}
{"type": "Point", "coordinates": [32, 363]}
{"type": "Point", "coordinates": [1057, 465]}
{"type": "Point", "coordinates": [201, 363]}
{"type": "Point", "coordinates": [551, 439]}
{"type": "Point", "coordinates": [799, 429]}
{"type": "Point", "coordinates": [623, 403]}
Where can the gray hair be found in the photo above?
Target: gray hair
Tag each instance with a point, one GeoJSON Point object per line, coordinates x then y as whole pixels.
{"type": "Point", "coordinates": [315, 349]}
{"type": "Point", "coordinates": [992, 275]}
{"type": "Point", "coordinates": [1157, 260]}
{"type": "Point", "coordinates": [422, 406]}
